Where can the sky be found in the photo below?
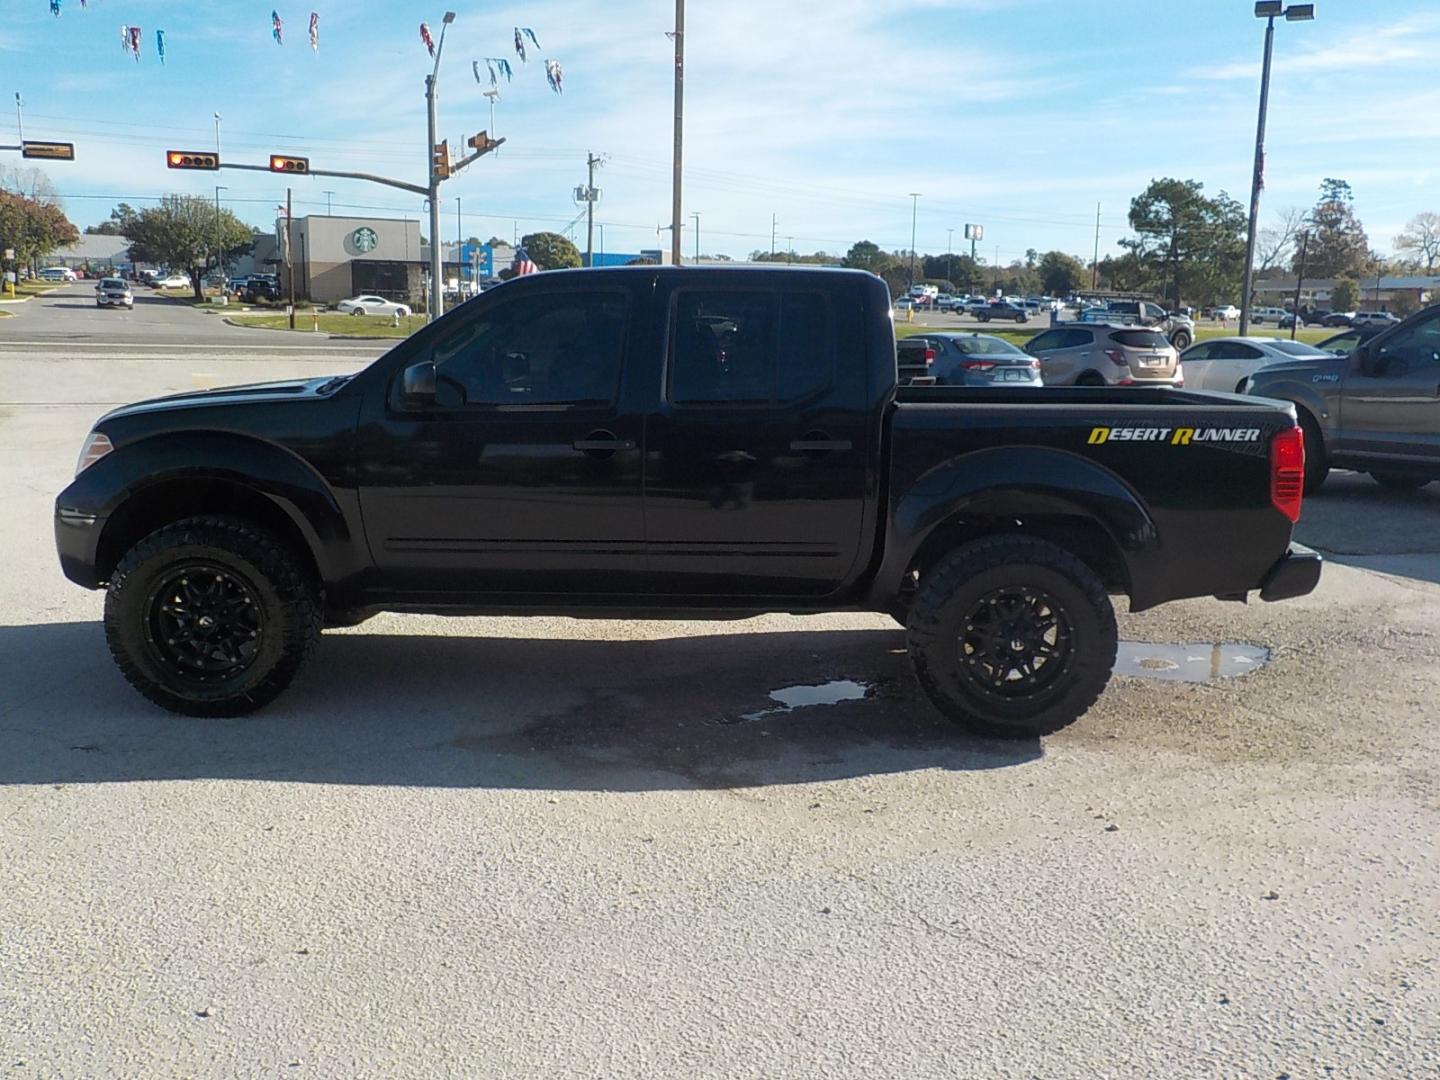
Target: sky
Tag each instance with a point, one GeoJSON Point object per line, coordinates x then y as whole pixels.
{"type": "Point", "coordinates": [1018, 115]}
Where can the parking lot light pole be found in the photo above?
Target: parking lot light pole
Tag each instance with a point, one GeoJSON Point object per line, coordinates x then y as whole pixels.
{"type": "Point", "coordinates": [1268, 10]}
{"type": "Point", "coordinates": [219, 245]}
{"type": "Point", "coordinates": [914, 209]}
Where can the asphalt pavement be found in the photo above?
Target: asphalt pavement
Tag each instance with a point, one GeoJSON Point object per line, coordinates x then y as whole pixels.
{"type": "Point", "coordinates": [549, 847]}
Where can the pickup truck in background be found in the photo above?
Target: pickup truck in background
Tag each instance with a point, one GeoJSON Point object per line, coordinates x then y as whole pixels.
{"type": "Point", "coordinates": [1178, 329]}
{"type": "Point", "coordinates": [683, 442]}
{"type": "Point", "coordinates": [1375, 409]}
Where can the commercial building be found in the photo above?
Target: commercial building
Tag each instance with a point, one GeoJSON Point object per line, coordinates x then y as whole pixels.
{"type": "Point", "coordinates": [1376, 294]}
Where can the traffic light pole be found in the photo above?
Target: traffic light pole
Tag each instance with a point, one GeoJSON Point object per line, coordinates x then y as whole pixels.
{"type": "Point", "coordinates": [290, 254]}
{"type": "Point", "coordinates": [437, 286]}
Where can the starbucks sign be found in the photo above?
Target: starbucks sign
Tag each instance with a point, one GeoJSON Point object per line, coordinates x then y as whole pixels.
{"type": "Point", "coordinates": [364, 239]}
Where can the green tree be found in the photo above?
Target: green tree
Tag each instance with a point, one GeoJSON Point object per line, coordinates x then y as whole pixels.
{"type": "Point", "coordinates": [185, 233]}
{"type": "Point", "coordinates": [33, 228]}
{"type": "Point", "coordinates": [1421, 235]}
{"type": "Point", "coordinates": [1061, 274]}
{"type": "Point", "coordinates": [551, 251]}
{"type": "Point", "coordinates": [1338, 245]}
{"type": "Point", "coordinates": [1345, 294]}
{"type": "Point", "coordinates": [1126, 273]}
{"type": "Point", "coordinates": [865, 255]}
{"type": "Point", "coordinates": [1190, 241]}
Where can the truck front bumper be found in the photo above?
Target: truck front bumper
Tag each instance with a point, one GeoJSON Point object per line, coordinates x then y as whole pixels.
{"type": "Point", "coordinates": [1295, 574]}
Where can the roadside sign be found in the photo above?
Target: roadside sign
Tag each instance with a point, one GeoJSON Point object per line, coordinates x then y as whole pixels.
{"type": "Point", "coordinates": [55, 151]}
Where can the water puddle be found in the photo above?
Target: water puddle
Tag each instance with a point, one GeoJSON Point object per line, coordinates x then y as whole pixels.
{"type": "Point", "coordinates": [1188, 663]}
{"type": "Point", "coordinates": [803, 697]}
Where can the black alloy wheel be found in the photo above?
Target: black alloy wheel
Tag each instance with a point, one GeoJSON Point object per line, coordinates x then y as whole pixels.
{"type": "Point", "coordinates": [1016, 641]}
{"type": "Point", "coordinates": [205, 622]}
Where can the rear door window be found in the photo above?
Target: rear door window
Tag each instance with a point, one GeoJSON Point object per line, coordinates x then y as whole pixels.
{"type": "Point", "coordinates": [1139, 339]}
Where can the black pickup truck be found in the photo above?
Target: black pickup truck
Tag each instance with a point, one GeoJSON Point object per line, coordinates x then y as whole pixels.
{"type": "Point", "coordinates": [699, 443]}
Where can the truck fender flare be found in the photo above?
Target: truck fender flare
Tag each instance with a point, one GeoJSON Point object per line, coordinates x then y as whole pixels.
{"type": "Point", "coordinates": [260, 467]}
{"type": "Point", "coordinates": [1013, 482]}
{"type": "Point", "coordinates": [1302, 395]}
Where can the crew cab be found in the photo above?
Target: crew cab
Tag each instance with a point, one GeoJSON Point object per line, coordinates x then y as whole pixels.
{"type": "Point", "coordinates": [684, 442]}
{"type": "Point", "coordinates": [1374, 408]}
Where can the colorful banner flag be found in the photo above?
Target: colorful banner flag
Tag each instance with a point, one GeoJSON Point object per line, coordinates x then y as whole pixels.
{"type": "Point", "coordinates": [519, 45]}
{"type": "Point", "coordinates": [314, 31]}
{"type": "Point", "coordinates": [160, 44]}
{"type": "Point", "coordinates": [55, 8]}
{"type": "Point", "coordinates": [427, 39]}
{"type": "Point", "coordinates": [276, 28]}
{"type": "Point", "coordinates": [135, 42]}
{"type": "Point", "coordinates": [553, 75]}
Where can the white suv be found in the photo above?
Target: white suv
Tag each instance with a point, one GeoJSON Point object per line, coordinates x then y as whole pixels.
{"type": "Point", "coordinates": [1267, 314]}
{"type": "Point", "coordinates": [1373, 318]}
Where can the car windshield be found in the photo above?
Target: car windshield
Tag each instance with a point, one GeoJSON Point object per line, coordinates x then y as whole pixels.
{"type": "Point", "coordinates": [1296, 348]}
{"type": "Point", "coordinates": [984, 345]}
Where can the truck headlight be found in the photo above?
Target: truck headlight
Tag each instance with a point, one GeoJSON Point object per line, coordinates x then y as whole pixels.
{"type": "Point", "coordinates": [97, 445]}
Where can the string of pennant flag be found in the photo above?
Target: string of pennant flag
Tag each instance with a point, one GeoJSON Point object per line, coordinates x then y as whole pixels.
{"type": "Point", "coordinates": [496, 66]}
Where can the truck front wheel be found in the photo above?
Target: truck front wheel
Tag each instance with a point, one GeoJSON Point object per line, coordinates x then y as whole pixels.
{"type": "Point", "coordinates": [210, 616]}
{"type": "Point", "coordinates": [1012, 637]}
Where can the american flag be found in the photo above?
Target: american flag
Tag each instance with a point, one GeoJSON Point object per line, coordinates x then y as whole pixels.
{"type": "Point", "coordinates": [523, 263]}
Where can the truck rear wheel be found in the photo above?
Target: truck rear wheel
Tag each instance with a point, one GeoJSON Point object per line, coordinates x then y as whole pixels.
{"type": "Point", "coordinates": [1012, 637]}
{"type": "Point", "coordinates": [210, 616]}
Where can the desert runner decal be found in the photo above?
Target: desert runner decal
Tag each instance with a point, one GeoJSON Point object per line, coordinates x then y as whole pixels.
{"type": "Point", "coordinates": [1176, 436]}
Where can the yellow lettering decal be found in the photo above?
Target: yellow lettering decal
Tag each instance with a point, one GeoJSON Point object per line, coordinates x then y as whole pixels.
{"type": "Point", "coordinates": [1182, 436]}
{"type": "Point", "coordinates": [1098, 435]}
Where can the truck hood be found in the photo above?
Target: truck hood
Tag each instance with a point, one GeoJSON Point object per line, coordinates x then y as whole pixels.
{"type": "Point", "coordinates": [1303, 366]}
{"type": "Point", "coordinates": [251, 394]}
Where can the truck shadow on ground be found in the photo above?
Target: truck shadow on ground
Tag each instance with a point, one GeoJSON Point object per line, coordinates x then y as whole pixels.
{"type": "Point", "coordinates": [443, 711]}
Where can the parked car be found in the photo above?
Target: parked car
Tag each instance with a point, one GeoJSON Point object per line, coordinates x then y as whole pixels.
{"type": "Point", "coordinates": [1374, 318]}
{"type": "Point", "coordinates": [1004, 311]}
{"type": "Point", "coordinates": [976, 304]}
{"type": "Point", "coordinates": [967, 359]}
{"type": "Point", "coordinates": [1375, 410]}
{"type": "Point", "coordinates": [237, 284]}
{"type": "Point", "coordinates": [1105, 354]}
{"type": "Point", "coordinates": [372, 305]}
{"type": "Point", "coordinates": [495, 462]}
{"type": "Point", "coordinates": [57, 273]}
{"type": "Point", "coordinates": [1225, 312]}
{"type": "Point", "coordinates": [1314, 316]}
{"type": "Point", "coordinates": [1225, 363]}
{"type": "Point", "coordinates": [944, 302]}
{"type": "Point", "coordinates": [1338, 318]}
{"type": "Point", "coordinates": [113, 292]}
{"type": "Point", "coordinates": [1261, 315]}
{"type": "Point", "coordinates": [172, 281]}
{"type": "Point", "coordinates": [1344, 343]}
{"type": "Point", "coordinates": [900, 303]}
{"type": "Point", "coordinates": [258, 289]}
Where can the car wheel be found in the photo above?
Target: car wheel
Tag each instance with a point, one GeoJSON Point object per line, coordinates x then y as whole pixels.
{"type": "Point", "coordinates": [1091, 378]}
{"type": "Point", "coordinates": [1181, 340]}
{"type": "Point", "coordinates": [1399, 481]}
{"type": "Point", "coordinates": [403, 312]}
{"type": "Point", "coordinates": [357, 311]}
{"type": "Point", "coordinates": [1022, 318]}
{"type": "Point", "coordinates": [210, 616]}
{"type": "Point", "coordinates": [1012, 637]}
{"type": "Point", "coordinates": [1317, 461]}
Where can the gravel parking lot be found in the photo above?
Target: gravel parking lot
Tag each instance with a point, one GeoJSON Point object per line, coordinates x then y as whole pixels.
{"type": "Point", "coordinates": [546, 847]}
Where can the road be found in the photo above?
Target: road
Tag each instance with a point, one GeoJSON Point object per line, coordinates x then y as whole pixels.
{"type": "Point", "coordinates": [546, 847]}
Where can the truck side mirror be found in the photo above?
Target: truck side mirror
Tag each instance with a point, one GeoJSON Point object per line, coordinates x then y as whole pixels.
{"type": "Point", "coordinates": [417, 385]}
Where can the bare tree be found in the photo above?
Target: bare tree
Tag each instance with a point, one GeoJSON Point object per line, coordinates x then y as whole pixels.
{"type": "Point", "coordinates": [30, 182]}
{"type": "Point", "coordinates": [1422, 236]}
{"type": "Point", "coordinates": [1275, 243]}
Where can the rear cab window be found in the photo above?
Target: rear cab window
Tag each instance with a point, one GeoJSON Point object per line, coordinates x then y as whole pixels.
{"type": "Point", "coordinates": [1140, 339]}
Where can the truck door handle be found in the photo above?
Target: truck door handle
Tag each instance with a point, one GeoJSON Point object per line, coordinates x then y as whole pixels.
{"type": "Point", "coordinates": [602, 444]}
{"type": "Point", "coordinates": [816, 442]}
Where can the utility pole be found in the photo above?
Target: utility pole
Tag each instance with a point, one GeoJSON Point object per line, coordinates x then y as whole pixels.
{"type": "Point", "coordinates": [459, 244]}
{"type": "Point", "coordinates": [439, 170]}
{"type": "Point", "coordinates": [219, 246]}
{"type": "Point", "coordinates": [328, 212]}
{"type": "Point", "coordinates": [19, 117]}
{"type": "Point", "coordinates": [217, 134]}
{"type": "Point", "coordinates": [1095, 262]}
{"type": "Point", "coordinates": [789, 249]}
{"type": "Point", "coordinates": [590, 196]}
{"type": "Point", "coordinates": [914, 211]}
{"type": "Point", "coordinates": [949, 245]}
{"type": "Point", "coordinates": [773, 222]}
{"type": "Point", "coordinates": [696, 216]}
{"type": "Point", "coordinates": [1299, 278]}
{"type": "Point", "coordinates": [675, 208]}
{"type": "Point", "coordinates": [997, 267]}
{"type": "Point", "coordinates": [290, 253]}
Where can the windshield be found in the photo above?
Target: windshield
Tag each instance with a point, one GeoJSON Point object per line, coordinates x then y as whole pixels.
{"type": "Point", "coordinates": [984, 345]}
{"type": "Point", "coordinates": [1297, 348]}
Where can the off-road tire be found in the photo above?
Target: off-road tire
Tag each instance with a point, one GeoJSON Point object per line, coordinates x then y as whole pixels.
{"type": "Point", "coordinates": [1399, 481]}
{"type": "Point", "coordinates": [287, 601]}
{"type": "Point", "coordinates": [944, 602]}
{"type": "Point", "coordinates": [1317, 461]}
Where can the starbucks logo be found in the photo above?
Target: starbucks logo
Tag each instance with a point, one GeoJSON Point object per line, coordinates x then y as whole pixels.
{"type": "Point", "coordinates": [364, 240]}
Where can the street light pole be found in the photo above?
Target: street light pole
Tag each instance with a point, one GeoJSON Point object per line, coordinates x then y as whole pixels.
{"type": "Point", "coordinates": [949, 247]}
{"type": "Point", "coordinates": [914, 211]}
{"type": "Point", "coordinates": [217, 134]}
{"type": "Point", "coordinates": [1268, 10]}
{"type": "Point", "coordinates": [696, 216]}
{"type": "Point", "coordinates": [675, 207]}
{"type": "Point", "coordinates": [220, 247]}
{"type": "Point", "coordinates": [437, 285]}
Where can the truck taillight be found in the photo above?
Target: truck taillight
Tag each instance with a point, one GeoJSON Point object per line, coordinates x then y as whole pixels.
{"type": "Point", "coordinates": [1117, 357]}
{"type": "Point", "coordinates": [1287, 472]}
{"type": "Point", "coordinates": [977, 365]}
{"type": "Point", "coordinates": [929, 357]}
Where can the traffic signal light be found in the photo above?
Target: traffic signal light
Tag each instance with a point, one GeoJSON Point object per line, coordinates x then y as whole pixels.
{"type": "Point", "coordinates": [441, 162]}
{"type": "Point", "coordinates": [282, 163]}
{"type": "Point", "coordinates": [191, 159]}
{"type": "Point", "coordinates": [482, 142]}
{"type": "Point", "coordinates": [58, 151]}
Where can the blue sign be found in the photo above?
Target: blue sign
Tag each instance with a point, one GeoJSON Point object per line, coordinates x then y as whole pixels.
{"type": "Point", "coordinates": [468, 263]}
